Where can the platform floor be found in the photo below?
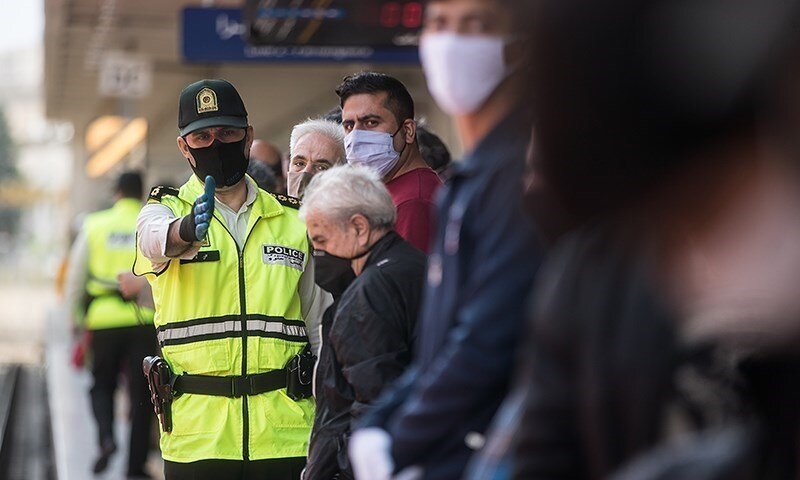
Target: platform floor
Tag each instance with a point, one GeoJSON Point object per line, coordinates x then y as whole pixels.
{"type": "Point", "coordinates": [74, 433]}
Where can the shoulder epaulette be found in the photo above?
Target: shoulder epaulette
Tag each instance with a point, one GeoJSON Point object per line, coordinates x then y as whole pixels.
{"type": "Point", "coordinates": [286, 200]}
{"type": "Point", "coordinates": [158, 192]}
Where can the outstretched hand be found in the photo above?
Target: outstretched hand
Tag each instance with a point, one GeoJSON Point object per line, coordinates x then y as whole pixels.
{"type": "Point", "coordinates": [203, 209]}
{"type": "Point", "coordinates": [194, 227]}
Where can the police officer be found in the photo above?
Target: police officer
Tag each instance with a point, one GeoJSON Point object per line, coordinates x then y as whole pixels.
{"type": "Point", "coordinates": [121, 331]}
{"type": "Point", "coordinates": [233, 287]}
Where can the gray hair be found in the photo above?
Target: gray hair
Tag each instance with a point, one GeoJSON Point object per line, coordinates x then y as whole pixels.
{"type": "Point", "coordinates": [325, 128]}
{"type": "Point", "coordinates": [344, 191]}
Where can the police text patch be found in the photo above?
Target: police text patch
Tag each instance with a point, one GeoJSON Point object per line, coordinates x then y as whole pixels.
{"type": "Point", "coordinates": [280, 255]}
{"type": "Point", "coordinates": [120, 240]}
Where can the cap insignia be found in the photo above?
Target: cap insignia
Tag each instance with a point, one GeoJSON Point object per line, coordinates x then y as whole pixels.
{"type": "Point", "coordinates": [207, 101]}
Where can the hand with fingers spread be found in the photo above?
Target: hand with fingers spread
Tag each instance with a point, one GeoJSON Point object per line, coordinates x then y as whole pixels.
{"type": "Point", "coordinates": [194, 227]}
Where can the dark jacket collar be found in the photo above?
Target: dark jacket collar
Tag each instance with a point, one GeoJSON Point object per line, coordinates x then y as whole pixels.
{"type": "Point", "coordinates": [512, 130]}
{"type": "Point", "coordinates": [382, 246]}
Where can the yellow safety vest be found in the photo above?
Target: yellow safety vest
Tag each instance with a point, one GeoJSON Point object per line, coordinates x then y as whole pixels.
{"type": "Point", "coordinates": [110, 236]}
{"type": "Point", "coordinates": [229, 312]}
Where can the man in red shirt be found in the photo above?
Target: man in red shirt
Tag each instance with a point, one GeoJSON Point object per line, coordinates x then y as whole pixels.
{"type": "Point", "coordinates": [378, 119]}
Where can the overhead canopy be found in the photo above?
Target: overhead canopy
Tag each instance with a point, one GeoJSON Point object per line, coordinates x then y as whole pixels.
{"type": "Point", "coordinates": [81, 34]}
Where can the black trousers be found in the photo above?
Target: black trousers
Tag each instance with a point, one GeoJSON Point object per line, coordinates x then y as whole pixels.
{"type": "Point", "coordinates": [116, 350]}
{"type": "Point", "coordinates": [275, 469]}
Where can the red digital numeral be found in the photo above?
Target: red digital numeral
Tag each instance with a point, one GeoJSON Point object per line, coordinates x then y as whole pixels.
{"type": "Point", "coordinates": [391, 14]}
{"type": "Point", "coordinates": [412, 15]}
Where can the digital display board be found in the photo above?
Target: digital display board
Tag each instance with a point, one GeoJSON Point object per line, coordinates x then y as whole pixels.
{"type": "Point", "coordinates": [221, 35]}
{"type": "Point", "coordinates": [372, 23]}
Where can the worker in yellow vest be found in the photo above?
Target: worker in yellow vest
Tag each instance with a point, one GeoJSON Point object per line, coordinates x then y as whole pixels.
{"type": "Point", "coordinates": [236, 303]}
{"type": "Point", "coordinates": [121, 330]}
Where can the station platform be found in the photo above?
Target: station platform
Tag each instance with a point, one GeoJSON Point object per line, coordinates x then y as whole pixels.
{"type": "Point", "coordinates": [74, 436]}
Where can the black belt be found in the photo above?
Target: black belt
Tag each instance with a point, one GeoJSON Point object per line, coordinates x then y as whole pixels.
{"type": "Point", "coordinates": [234, 386]}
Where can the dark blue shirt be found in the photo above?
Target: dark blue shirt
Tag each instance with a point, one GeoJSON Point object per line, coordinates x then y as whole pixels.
{"type": "Point", "coordinates": [482, 266]}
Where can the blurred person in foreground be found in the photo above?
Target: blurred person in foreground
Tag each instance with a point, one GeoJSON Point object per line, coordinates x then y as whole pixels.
{"type": "Point", "coordinates": [121, 330]}
{"type": "Point", "coordinates": [314, 146]}
{"type": "Point", "coordinates": [267, 154]}
{"type": "Point", "coordinates": [664, 335]}
{"type": "Point", "coordinates": [378, 118]}
{"type": "Point", "coordinates": [484, 256]}
{"type": "Point", "coordinates": [369, 343]}
{"type": "Point", "coordinates": [236, 304]}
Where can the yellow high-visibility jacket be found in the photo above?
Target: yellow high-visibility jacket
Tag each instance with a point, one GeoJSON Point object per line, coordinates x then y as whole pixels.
{"type": "Point", "coordinates": [112, 247]}
{"type": "Point", "coordinates": [228, 312]}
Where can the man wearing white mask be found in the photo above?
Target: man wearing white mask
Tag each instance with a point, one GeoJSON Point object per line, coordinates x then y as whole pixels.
{"type": "Point", "coordinates": [484, 255]}
{"type": "Point", "coordinates": [381, 134]}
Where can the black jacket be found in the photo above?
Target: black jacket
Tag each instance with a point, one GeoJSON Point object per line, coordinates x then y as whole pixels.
{"type": "Point", "coordinates": [366, 345]}
{"type": "Point", "coordinates": [606, 374]}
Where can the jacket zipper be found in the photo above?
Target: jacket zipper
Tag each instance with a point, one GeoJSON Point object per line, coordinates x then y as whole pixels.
{"type": "Point", "coordinates": [243, 305]}
{"type": "Point", "coordinates": [245, 410]}
{"type": "Point", "coordinates": [243, 309]}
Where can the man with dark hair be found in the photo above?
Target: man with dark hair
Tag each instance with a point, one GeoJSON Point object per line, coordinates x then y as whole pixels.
{"type": "Point", "coordinates": [267, 154]}
{"type": "Point", "coordinates": [122, 331]}
{"type": "Point", "coordinates": [397, 98]}
{"type": "Point", "coordinates": [263, 175]}
{"type": "Point", "coordinates": [333, 115]}
{"type": "Point", "coordinates": [433, 150]}
{"type": "Point", "coordinates": [129, 185]}
{"type": "Point", "coordinates": [378, 118]}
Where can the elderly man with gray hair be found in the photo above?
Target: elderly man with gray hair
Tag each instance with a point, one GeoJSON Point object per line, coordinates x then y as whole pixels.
{"type": "Point", "coordinates": [368, 343]}
{"type": "Point", "coordinates": [315, 146]}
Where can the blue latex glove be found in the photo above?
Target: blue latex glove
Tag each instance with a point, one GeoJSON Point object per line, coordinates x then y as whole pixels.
{"type": "Point", "coordinates": [204, 209]}
{"type": "Point", "coordinates": [194, 227]}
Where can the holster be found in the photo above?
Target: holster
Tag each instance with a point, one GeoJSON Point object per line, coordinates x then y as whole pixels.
{"type": "Point", "coordinates": [160, 381]}
{"type": "Point", "coordinates": [299, 374]}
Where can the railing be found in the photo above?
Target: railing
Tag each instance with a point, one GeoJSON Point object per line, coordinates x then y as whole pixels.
{"type": "Point", "coordinates": [8, 383]}
{"type": "Point", "coordinates": [26, 451]}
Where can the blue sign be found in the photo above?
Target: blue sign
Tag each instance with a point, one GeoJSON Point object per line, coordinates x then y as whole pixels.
{"type": "Point", "coordinates": [218, 35]}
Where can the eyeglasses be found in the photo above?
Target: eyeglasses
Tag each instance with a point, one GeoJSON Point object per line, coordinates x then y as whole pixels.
{"type": "Point", "coordinates": [205, 137]}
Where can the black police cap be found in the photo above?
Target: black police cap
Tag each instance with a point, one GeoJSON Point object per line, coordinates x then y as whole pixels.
{"type": "Point", "coordinates": [210, 103]}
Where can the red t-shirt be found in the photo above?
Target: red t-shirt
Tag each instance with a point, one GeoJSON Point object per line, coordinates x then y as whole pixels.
{"type": "Point", "coordinates": [413, 194]}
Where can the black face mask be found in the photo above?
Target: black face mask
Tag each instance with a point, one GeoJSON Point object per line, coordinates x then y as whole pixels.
{"type": "Point", "coordinates": [226, 162]}
{"type": "Point", "coordinates": [333, 274]}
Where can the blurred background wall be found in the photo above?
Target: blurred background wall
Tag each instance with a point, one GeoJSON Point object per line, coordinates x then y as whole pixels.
{"type": "Point", "coordinates": [90, 87]}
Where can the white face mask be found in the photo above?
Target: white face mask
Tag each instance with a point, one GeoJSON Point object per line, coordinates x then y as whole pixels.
{"type": "Point", "coordinates": [372, 149]}
{"type": "Point", "coordinates": [462, 70]}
